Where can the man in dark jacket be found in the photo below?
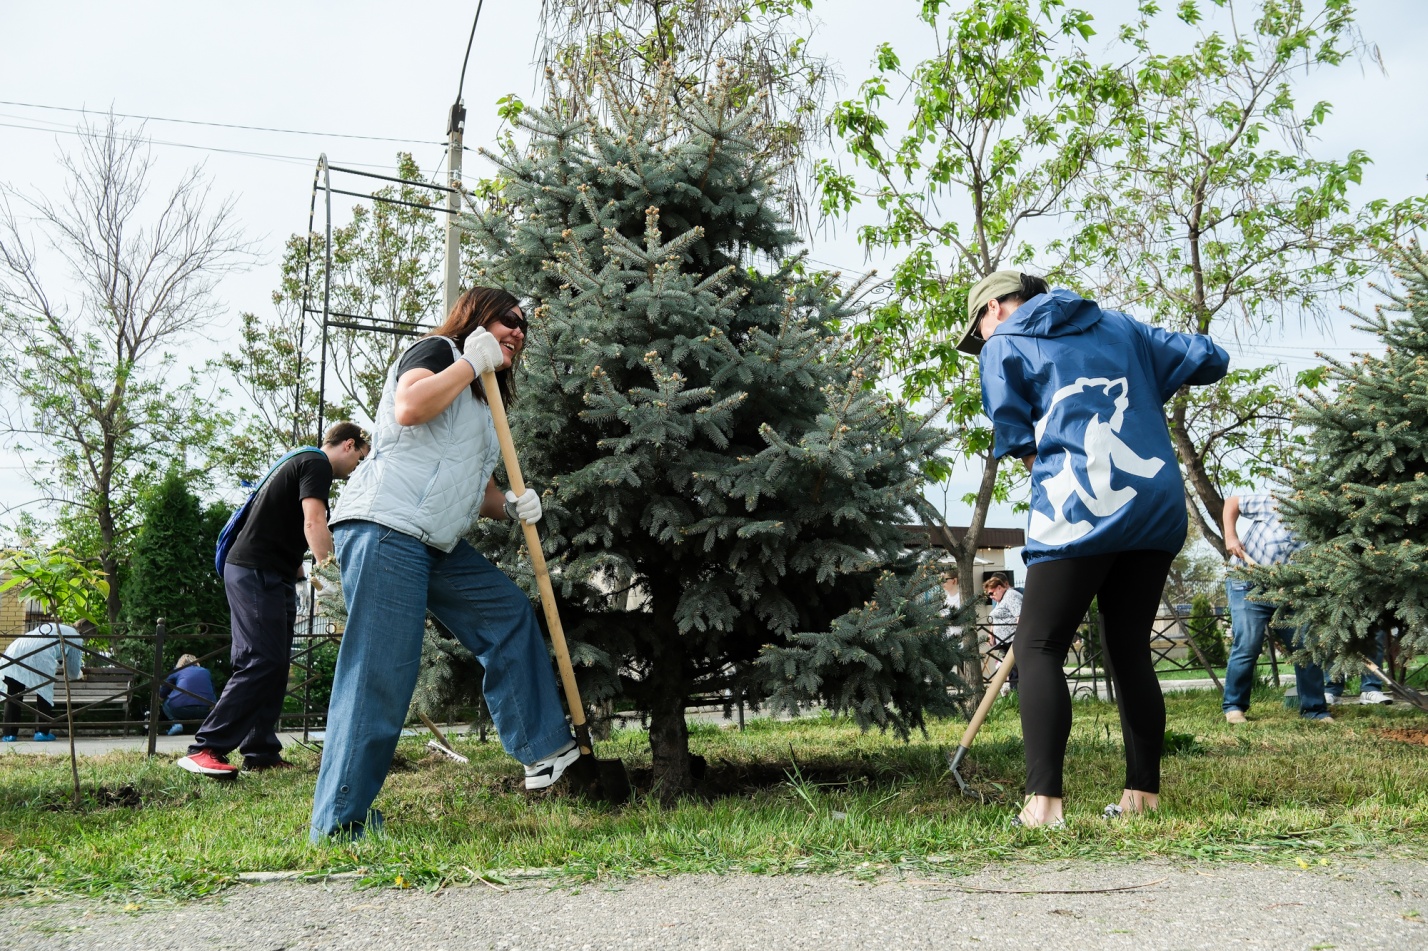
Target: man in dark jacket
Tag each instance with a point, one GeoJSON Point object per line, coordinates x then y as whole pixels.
{"type": "Point", "coordinates": [287, 518]}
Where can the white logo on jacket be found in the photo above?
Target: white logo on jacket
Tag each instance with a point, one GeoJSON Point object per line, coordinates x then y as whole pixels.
{"type": "Point", "coordinates": [1104, 452]}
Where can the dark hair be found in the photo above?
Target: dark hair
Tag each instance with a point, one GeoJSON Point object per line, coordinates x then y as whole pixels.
{"type": "Point", "coordinates": [339, 433]}
{"type": "Point", "coordinates": [1031, 286]}
{"type": "Point", "coordinates": [481, 307]}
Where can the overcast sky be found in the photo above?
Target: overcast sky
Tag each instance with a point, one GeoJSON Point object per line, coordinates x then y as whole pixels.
{"type": "Point", "coordinates": [334, 71]}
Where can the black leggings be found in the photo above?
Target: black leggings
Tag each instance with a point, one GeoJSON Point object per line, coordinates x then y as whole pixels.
{"type": "Point", "coordinates": [1128, 586]}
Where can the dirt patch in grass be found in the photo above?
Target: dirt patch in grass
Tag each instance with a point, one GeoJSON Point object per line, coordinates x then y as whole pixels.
{"type": "Point", "coordinates": [102, 797]}
{"type": "Point", "coordinates": [1415, 735]}
{"type": "Point", "coordinates": [719, 778]}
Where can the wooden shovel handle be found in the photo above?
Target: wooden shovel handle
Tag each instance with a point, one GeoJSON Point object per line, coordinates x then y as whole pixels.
{"type": "Point", "coordinates": [989, 698]}
{"type": "Point", "coordinates": [547, 593]}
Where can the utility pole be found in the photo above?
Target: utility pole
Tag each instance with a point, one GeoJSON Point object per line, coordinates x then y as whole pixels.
{"type": "Point", "coordinates": [455, 126]}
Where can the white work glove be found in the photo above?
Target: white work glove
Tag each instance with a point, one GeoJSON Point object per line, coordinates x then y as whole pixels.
{"type": "Point", "coordinates": [525, 508]}
{"type": "Point", "coordinates": [482, 352]}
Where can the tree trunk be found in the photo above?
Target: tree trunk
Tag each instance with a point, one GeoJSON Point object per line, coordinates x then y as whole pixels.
{"type": "Point", "coordinates": [108, 561]}
{"type": "Point", "coordinates": [669, 745]}
{"type": "Point", "coordinates": [972, 632]}
{"type": "Point", "coordinates": [965, 553]}
{"type": "Point", "coordinates": [1198, 477]}
{"type": "Point", "coordinates": [667, 692]}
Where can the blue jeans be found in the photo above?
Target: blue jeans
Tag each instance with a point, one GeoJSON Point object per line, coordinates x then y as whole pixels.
{"type": "Point", "coordinates": [1368, 680]}
{"type": "Point", "coordinates": [389, 581]}
{"type": "Point", "coordinates": [1249, 620]}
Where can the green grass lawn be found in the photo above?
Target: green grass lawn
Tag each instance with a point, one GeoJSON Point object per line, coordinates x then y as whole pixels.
{"type": "Point", "coordinates": [813, 795]}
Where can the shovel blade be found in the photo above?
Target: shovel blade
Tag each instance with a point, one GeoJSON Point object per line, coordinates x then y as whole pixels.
{"type": "Point", "coordinates": [598, 780]}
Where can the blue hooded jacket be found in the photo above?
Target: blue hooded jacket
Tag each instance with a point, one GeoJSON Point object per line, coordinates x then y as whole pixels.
{"type": "Point", "coordinates": [1084, 389]}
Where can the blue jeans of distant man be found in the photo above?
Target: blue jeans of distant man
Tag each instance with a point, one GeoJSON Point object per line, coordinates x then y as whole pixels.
{"type": "Point", "coordinates": [389, 581]}
{"type": "Point", "coordinates": [1249, 621]}
{"type": "Point", "coordinates": [1368, 680]}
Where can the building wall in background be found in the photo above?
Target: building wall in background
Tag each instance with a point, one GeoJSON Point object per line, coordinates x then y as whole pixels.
{"type": "Point", "coordinates": [14, 611]}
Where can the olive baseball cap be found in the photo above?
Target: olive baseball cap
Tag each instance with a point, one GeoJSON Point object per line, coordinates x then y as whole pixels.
{"type": "Point", "coordinates": [994, 285]}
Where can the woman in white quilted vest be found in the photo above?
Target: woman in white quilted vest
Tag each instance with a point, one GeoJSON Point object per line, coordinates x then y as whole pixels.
{"type": "Point", "coordinates": [397, 534]}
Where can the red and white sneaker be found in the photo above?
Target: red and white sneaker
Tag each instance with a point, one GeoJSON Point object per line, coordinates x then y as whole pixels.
{"type": "Point", "coordinates": [208, 764]}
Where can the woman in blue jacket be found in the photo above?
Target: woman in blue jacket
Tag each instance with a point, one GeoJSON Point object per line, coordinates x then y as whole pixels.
{"type": "Point", "coordinates": [1077, 393]}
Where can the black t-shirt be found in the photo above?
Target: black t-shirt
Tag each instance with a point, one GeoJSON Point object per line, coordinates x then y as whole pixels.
{"type": "Point", "coordinates": [432, 353]}
{"type": "Point", "coordinates": [272, 538]}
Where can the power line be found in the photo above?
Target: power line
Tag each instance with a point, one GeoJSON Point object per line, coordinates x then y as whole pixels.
{"type": "Point", "coordinates": [461, 83]}
{"type": "Point", "coordinates": [224, 125]}
{"type": "Point", "coordinates": [272, 156]}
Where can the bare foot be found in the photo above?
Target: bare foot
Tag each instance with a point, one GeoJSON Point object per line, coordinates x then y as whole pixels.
{"type": "Point", "coordinates": [1041, 811]}
{"type": "Point", "coordinates": [1135, 801]}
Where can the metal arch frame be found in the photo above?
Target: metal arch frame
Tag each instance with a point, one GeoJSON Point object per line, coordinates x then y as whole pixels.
{"type": "Point", "coordinates": [322, 182]}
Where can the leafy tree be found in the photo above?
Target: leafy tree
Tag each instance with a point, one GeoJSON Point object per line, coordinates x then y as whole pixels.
{"type": "Point", "coordinates": [67, 587]}
{"type": "Point", "coordinates": [171, 575]}
{"type": "Point", "coordinates": [385, 269]}
{"type": "Point", "coordinates": [1197, 571]}
{"type": "Point", "coordinates": [90, 364]}
{"type": "Point", "coordinates": [1007, 116]}
{"type": "Point", "coordinates": [1360, 500]}
{"type": "Point", "coordinates": [760, 47]}
{"type": "Point", "coordinates": [1210, 214]}
{"type": "Point", "coordinates": [714, 453]}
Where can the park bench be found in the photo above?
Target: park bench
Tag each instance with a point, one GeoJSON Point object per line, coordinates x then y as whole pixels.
{"type": "Point", "coordinates": [103, 690]}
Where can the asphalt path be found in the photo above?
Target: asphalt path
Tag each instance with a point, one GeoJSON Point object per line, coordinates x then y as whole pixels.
{"type": "Point", "coordinates": [1351, 905]}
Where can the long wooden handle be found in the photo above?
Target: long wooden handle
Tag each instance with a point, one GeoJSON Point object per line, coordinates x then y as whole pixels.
{"type": "Point", "coordinates": [985, 707]}
{"type": "Point", "coordinates": [547, 593]}
{"type": "Point", "coordinates": [435, 732]}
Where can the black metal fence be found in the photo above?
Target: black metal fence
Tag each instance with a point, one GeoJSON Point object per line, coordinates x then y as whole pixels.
{"type": "Point", "coordinates": [118, 690]}
{"type": "Point", "coordinates": [1177, 655]}
{"type": "Point", "coordinates": [124, 672]}
{"type": "Point", "coordinates": [1173, 650]}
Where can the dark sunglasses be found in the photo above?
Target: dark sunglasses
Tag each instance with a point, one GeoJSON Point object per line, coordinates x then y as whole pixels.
{"type": "Point", "coordinates": [513, 321]}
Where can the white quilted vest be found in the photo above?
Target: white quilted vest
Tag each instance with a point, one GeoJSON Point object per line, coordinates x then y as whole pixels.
{"type": "Point", "coordinates": [427, 481]}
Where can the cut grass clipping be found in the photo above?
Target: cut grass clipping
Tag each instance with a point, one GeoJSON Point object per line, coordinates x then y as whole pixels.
{"type": "Point", "coordinates": [812, 795]}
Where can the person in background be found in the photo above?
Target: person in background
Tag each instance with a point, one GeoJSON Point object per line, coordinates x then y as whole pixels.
{"type": "Point", "coordinates": [186, 694]}
{"type": "Point", "coordinates": [30, 665]}
{"type": "Point", "coordinates": [1077, 393]}
{"type": "Point", "coordinates": [1003, 618]}
{"type": "Point", "coordinates": [1267, 541]}
{"type": "Point", "coordinates": [286, 518]}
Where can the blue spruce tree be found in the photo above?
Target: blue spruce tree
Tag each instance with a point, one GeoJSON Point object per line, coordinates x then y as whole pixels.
{"type": "Point", "coordinates": [723, 485]}
{"type": "Point", "coordinates": [1360, 500]}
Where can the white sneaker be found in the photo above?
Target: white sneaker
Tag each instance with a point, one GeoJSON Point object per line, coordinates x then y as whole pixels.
{"type": "Point", "coordinates": [547, 772]}
{"type": "Point", "coordinates": [1372, 697]}
{"type": "Point", "coordinates": [1333, 699]}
